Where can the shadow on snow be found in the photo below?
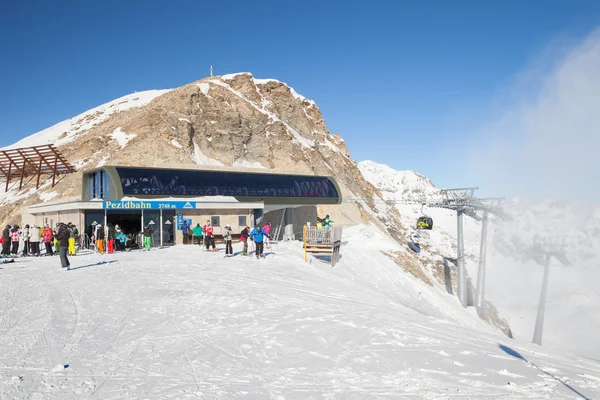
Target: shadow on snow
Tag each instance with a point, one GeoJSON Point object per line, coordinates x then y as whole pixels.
{"type": "Point", "coordinates": [93, 265]}
{"type": "Point", "coordinates": [516, 354]}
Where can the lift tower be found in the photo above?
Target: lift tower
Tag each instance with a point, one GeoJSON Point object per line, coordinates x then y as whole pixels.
{"type": "Point", "coordinates": [542, 252]}
{"type": "Point", "coordinates": [462, 201]}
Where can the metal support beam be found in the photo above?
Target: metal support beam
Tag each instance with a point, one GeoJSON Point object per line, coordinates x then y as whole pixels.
{"type": "Point", "coordinates": [288, 232]}
{"type": "Point", "coordinates": [8, 176]}
{"type": "Point", "coordinates": [54, 172]}
{"type": "Point", "coordinates": [22, 175]}
{"type": "Point", "coordinates": [539, 322]}
{"type": "Point", "coordinates": [480, 290]}
{"type": "Point", "coordinates": [460, 259]}
{"type": "Point", "coordinates": [39, 175]}
{"type": "Point", "coordinates": [161, 227]}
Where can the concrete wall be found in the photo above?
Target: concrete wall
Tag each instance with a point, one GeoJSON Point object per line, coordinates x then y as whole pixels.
{"type": "Point", "coordinates": [302, 215]}
{"type": "Point", "coordinates": [52, 218]}
{"type": "Point", "coordinates": [200, 216]}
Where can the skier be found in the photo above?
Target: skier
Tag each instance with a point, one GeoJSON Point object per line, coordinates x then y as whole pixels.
{"type": "Point", "coordinates": [56, 243]}
{"type": "Point", "coordinates": [122, 240]}
{"type": "Point", "coordinates": [209, 237]}
{"type": "Point", "coordinates": [111, 239]}
{"type": "Point", "coordinates": [15, 235]}
{"type": "Point", "coordinates": [34, 239]}
{"type": "Point", "coordinates": [244, 239]}
{"type": "Point", "coordinates": [99, 235]}
{"type": "Point", "coordinates": [148, 237]}
{"type": "Point", "coordinates": [198, 233]}
{"type": "Point", "coordinates": [6, 240]}
{"type": "Point", "coordinates": [72, 236]}
{"type": "Point", "coordinates": [24, 241]}
{"type": "Point", "coordinates": [63, 236]}
{"type": "Point", "coordinates": [267, 230]}
{"type": "Point", "coordinates": [47, 238]}
{"type": "Point", "coordinates": [227, 237]}
{"type": "Point", "coordinates": [327, 222]}
{"type": "Point", "coordinates": [185, 230]}
{"type": "Point", "coordinates": [257, 237]}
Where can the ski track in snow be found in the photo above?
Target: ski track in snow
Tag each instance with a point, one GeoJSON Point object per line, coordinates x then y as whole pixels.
{"type": "Point", "coordinates": [185, 323]}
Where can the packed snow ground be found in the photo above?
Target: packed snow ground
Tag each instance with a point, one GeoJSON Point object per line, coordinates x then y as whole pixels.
{"type": "Point", "coordinates": [184, 323]}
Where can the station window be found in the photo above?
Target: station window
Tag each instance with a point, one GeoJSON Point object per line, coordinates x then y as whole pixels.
{"type": "Point", "coordinates": [136, 181]}
{"type": "Point", "coordinates": [98, 185]}
{"type": "Point", "coordinates": [242, 220]}
{"type": "Point", "coordinates": [215, 220]}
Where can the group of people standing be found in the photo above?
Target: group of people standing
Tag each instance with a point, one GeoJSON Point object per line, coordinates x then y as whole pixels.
{"type": "Point", "coordinates": [110, 239]}
{"type": "Point", "coordinates": [27, 241]}
{"type": "Point", "coordinates": [204, 235]}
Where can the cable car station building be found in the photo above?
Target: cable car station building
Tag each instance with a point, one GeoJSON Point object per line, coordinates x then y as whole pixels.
{"type": "Point", "coordinates": [163, 198]}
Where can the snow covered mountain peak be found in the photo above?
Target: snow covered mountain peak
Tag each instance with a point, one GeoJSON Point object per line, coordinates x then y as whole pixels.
{"type": "Point", "coordinates": [409, 185]}
{"type": "Point", "coordinates": [65, 131]}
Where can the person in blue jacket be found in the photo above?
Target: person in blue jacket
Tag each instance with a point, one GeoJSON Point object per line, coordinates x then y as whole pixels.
{"type": "Point", "coordinates": [257, 236]}
{"type": "Point", "coordinates": [185, 230]}
{"type": "Point", "coordinates": [122, 240]}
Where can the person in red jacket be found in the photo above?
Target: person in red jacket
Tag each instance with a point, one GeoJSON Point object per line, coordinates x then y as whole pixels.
{"type": "Point", "coordinates": [209, 238]}
{"type": "Point", "coordinates": [47, 238]}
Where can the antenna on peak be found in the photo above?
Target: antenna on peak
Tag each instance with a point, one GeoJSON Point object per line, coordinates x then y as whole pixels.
{"type": "Point", "coordinates": [211, 70]}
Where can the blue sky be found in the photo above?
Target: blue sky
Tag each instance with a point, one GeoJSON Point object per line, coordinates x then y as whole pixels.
{"type": "Point", "coordinates": [405, 83]}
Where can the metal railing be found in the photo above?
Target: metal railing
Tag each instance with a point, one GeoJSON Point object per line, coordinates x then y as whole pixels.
{"type": "Point", "coordinates": [324, 236]}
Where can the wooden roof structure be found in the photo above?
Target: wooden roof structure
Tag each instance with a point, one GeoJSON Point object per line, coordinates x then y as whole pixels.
{"type": "Point", "coordinates": [33, 161]}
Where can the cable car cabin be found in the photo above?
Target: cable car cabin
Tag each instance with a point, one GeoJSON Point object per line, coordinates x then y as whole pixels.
{"type": "Point", "coordinates": [425, 223]}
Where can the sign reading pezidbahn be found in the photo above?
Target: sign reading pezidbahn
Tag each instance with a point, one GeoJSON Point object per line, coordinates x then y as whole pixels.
{"type": "Point", "coordinates": [146, 205]}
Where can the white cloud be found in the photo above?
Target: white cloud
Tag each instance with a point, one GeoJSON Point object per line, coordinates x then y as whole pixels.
{"type": "Point", "coordinates": [545, 144]}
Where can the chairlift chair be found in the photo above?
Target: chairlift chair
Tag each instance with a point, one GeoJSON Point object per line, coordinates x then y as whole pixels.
{"type": "Point", "coordinates": [425, 223]}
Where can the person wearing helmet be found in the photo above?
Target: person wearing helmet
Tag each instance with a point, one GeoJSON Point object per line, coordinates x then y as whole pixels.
{"type": "Point", "coordinates": [257, 236]}
{"type": "Point", "coordinates": [228, 239]}
{"type": "Point", "coordinates": [99, 235]}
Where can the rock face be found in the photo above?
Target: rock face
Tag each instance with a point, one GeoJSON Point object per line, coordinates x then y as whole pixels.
{"type": "Point", "coordinates": [231, 120]}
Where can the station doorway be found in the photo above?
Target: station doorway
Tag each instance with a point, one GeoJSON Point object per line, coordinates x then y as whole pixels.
{"type": "Point", "coordinates": [130, 221]}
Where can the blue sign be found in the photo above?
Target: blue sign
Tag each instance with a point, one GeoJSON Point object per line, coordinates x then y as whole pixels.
{"type": "Point", "coordinates": [180, 220]}
{"type": "Point", "coordinates": [147, 205]}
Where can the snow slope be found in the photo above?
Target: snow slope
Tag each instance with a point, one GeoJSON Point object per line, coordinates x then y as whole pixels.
{"type": "Point", "coordinates": [65, 131]}
{"type": "Point", "coordinates": [572, 322]}
{"type": "Point", "coordinates": [184, 323]}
